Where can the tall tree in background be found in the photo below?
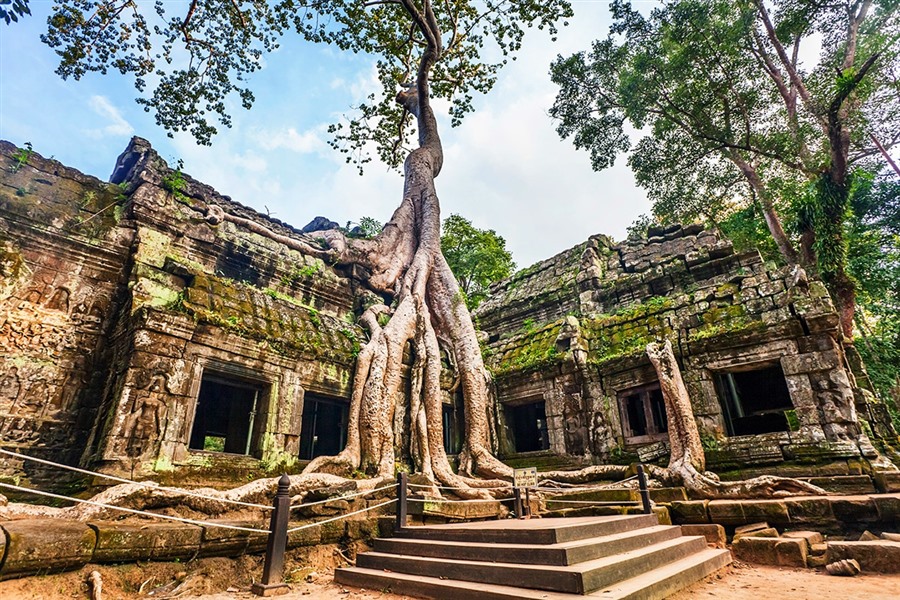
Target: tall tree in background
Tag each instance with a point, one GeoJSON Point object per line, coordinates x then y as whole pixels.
{"type": "Point", "coordinates": [202, 55]}
{"type": "Point", "coordinates": [478, 257]}
{"type": "Point", "coordinates": [737, 112]}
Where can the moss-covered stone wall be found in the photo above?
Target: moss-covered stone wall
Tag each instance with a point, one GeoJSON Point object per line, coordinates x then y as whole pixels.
{"type": "Point", "coordinates": [579, 346]}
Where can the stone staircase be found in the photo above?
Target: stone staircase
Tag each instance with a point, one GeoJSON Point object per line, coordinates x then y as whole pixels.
{"type": "Point", "coordinates": [614, 557]}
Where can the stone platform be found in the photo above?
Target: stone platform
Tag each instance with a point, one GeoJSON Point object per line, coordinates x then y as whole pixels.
{"type": "Point", "coordinates": [612, 557]}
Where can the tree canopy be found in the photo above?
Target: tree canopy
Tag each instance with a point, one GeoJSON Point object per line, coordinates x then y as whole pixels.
{"type": "Point", "coordinates": [735, 110]}
{"type": "Point", "coordinates": [477, 257]}
{"type": "Point", "coordinates": [188, 60]}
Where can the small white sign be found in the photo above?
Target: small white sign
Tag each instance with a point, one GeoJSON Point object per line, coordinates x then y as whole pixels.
{"type": "Point", "coordinates": [523, 478]}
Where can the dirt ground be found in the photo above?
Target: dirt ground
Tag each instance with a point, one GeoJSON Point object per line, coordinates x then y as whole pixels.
{"type": "Point", "coordinates": [229, 579]}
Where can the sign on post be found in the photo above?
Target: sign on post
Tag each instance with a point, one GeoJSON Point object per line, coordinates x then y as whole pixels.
{"type": "Point", "coordinates": [525, 478]}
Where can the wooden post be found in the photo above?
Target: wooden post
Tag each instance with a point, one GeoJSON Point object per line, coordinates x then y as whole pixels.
{"type": "Point", "coordinates": [517, 503]}
{"type": "Point", "coordinates": [273, 569]}
{"type": "Point", "coordinates": [527, 503]}
{"type": "Point", "coordinates": [645, 493]}
{"type": "Point", "coordinates": [402, 480]}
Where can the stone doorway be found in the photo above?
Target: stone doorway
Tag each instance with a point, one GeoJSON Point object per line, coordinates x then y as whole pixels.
{"type": "Point", "coordinates": [226, 415]}
{"type": "Point", "coordinates": [324, 428]}
{"type": "Point", "coordinates": [755, 401]}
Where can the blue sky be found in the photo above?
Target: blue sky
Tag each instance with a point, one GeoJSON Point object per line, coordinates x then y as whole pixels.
{"type": "Point", "coordinates": [505, 167]}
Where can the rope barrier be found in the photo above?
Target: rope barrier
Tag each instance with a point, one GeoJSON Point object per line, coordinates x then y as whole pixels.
{"type": "Point", "coordinates": [592, 501]}
{"type": "Point", "coordinates": [442, 501]}
{"type": "Point", "coordinates": [344, 497]}
{"type": "Point", "coordinates": [132, 510]}
{"type": "Point", "coordinates": [339, 517]}
{"type": "Point", "coordinates": [146, 484]}
{"type": "Point", "coordinates": [447, 487]}
{"type": "Point", "coordinates": [595, 488]}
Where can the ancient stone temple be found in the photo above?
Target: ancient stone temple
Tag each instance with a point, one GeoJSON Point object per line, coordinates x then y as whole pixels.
{"type": "Point", "coordinates": [151, 327]}
{"type": "Point", "coordinates": [758, 345]}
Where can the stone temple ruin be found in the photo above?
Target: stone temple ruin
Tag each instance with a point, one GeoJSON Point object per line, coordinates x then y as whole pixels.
{"type": "Point", "coordinates": [144, 335]}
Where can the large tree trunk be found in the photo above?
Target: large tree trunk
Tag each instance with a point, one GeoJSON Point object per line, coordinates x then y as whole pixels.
{"type": "Point", "coordinates": [687, 461]}
{"type": "Point", "coordinates": [406, 262]}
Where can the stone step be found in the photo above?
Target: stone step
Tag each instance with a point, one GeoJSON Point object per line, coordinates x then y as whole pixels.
{"type": "Point", "coordinates": [664, 581]}
{"type": "Point", "coordinates": [530, 531]}
{"type": "Point", "coordinates": [567, 553]}
{"type": "Point", "coordinates": [654, 585]}
{"type": "Point", "coordinates": [581, 578]}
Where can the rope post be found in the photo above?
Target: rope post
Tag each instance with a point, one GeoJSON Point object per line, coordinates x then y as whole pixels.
{"type": "Point", "coordinates": [645, 493]}
{"type": "Point", "coordinates": [402, 480]}
{"type": "Point", "coordinates": [517, 503]}
{"type": "Point", "coordinates": [273, 569]}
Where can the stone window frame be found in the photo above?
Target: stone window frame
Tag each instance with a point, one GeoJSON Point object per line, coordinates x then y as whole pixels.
{"type": "Point", "coordinates": [517, 403]}
{"type": "Point", "coordinates": [653, 433]}
{"type": "Point", "coordinates": [750, 366]}
{"type": "Point", "coordinates": [265, 379]}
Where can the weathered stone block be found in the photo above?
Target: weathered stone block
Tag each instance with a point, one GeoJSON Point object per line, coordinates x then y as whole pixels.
{"type": "Point", "coordinates": [759, 551]}
{"type": "Point", "coordinates": [773, 512]}
{"type": "Point", "coordinates": [362, 529]}
{"type": "Point", "coordinates": [888, 507]}
{"type": "Point", "coordinates": [694, 511]}
{"type": "Point", "coordinates": [854, 509]}
{"type": "Point", "coordinates": [332, 532]}
{"type": "Point", "coordinates": [791, 553]}
{"type": "Point", "coordinates": [816, 561]}
{"type": "Point", "coordinates": [810, 510]}
{"type": "Point", "coordinates": [811, 362]}
{"type": "Point", "coordinates": [726, 512]}
{"type": "Point", "coordinates": [714, 534]}
{"type": "Point", "coordinates": [887, 481]}
{"type": "Point", "coordinates": [33, 546]}
{"type": "Point", "coordinates": [219, 541]}
{"type": "Point", "coordinates": [309, 536]}
{"type": "Point", "coordinates": [768, 532]}
{"type": "Point", "coordinates": [120, 542]}
{"type": "Point", "coordinates": [875, 556]}
{"type": "Point", "coordinates": [810, 537]}
{"type": "Point", "coordinates": [750, 528]}
{"type": "Point", "coordinates": [675, 494]}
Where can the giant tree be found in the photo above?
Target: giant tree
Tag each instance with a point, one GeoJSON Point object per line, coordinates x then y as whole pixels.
{"type": "Point", "coordinates": [737, 109]}
{"type": "Point", "coordinates": [188, 64]}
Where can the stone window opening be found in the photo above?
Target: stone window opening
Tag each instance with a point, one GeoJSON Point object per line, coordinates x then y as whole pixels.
{"type": "Point", "coordinates": [453, 423]}
{"type": "Point", "coordinates": [324, 428]}
{"type": "Point", "coordinates": [643, 414]}
{"type": "Point", "coordinates": [227, 415]}
{"type": "Point", "coordinates": [528, 426]}
{"type": "Point", "coordinates": [755, 400]}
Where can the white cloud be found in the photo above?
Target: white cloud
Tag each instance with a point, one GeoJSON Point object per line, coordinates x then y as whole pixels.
{"type": "Point", "coordinates": [117, 126]}
{"type": "Point", "coordinates": [304, 142]}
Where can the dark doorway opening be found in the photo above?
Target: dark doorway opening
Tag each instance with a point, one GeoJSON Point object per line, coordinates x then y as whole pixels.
{"type": "Point", "coordinates": [226, 415]}
{"type": "Point", "coordinates": [324, 428]}
{"type": "Point", "coordinates": [755, 401]}
{"type": "Point", "coordinates": [451, 427]}
{"type": "Point", "coordinates": [643, 413]}
{"type": "Point", "coordinates": [528, 425]}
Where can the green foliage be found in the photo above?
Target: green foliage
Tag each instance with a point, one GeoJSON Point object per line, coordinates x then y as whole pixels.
{"type": "Point", "coordinates": [17, 8]}
{"type": "Point", "coordinates": [873, 237]}
{"type": "Point", "coordinates": [477, 257]}
{"type": "Point", "coordinates": [175, 182]}
{"type": "Point", "coordinates": [638, 229]}
{"type": "Point", "coordinates": [21, 156]}
{"type": "Point", "coordinates": [190, 61]}
{"type": "Point", "coordinates": [367, 228]}
{"type": "Point", "coordinates": [726, 131]}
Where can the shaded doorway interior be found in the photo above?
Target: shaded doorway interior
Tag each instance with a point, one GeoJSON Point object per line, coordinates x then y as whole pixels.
{"type": "Point", "coordinates": [324, 428]}
{"type": "Point", "coordinates": [755, 401]}
{"type": "Point", "coordinates": [226, 415]}
{"type": "Point", "coordinates": [528, 426]}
